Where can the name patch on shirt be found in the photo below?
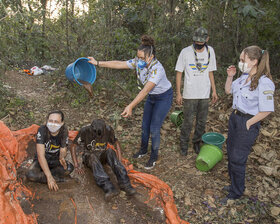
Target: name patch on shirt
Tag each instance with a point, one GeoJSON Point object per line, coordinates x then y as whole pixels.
{"type": "Point", "coordinates": [268, 92]}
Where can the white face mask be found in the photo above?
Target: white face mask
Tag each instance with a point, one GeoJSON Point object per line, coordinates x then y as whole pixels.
{"type": "Point", "coordinates": [244, 67]}
{"type": "Point", "coordinates": [53, 127]}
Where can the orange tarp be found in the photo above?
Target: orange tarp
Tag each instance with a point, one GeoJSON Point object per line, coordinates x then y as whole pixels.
{"type": "Point", "coordinates": [13, 151]}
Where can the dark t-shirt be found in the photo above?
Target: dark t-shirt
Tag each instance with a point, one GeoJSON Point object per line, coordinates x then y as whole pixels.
{"type": "Point", "coordinates": [52, 143]}
{"type": "Point", "coordinates": [87, 138]}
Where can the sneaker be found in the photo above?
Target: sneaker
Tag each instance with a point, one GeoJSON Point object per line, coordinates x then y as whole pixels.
{"type": "Point", "coordinates": [110, 194]}
{"type": "Point", "coordinates": [150, 164]}
{"type": "Point", "coordinates": [139, 154]}
{"type": "Point", "coordinates": [184, 152]}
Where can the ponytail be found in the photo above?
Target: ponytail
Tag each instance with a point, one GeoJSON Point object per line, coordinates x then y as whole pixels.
{"type": "Point", "coordinates": [147, 45]}
{"type": "Point", "coordinates": [263, 68]}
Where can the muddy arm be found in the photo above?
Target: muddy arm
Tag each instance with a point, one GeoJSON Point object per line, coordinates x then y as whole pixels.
{"type": "Point", "coordinates": [73, 155]}
{"type": "Point", "coordinates": [75, 160]}
{"type": "Point", "coordinates": [118, 148]}
{"type": "Point", "coordinates": [45, 167]}
{"type": "Point", "coordinates": [42, 160]}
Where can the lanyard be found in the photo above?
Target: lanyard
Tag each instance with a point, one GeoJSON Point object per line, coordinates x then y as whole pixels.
{"type": "Point", "coordinates": [198, 65]}
{"type": "Point", "coordinates": [140, 84]}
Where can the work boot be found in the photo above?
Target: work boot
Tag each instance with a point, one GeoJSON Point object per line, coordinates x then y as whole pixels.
{"type": "Point", "coordinates": [110, 194]}
{"type": "Point", "coordinates": [129, 190]}
{"type": "Point", "coordinates": [196, 147]}
{"type": "Point", "coordinates": [184, 151]}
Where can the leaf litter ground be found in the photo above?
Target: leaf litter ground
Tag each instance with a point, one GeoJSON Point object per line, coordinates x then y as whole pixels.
{"type": "Point", "coordinates": [197, 194]}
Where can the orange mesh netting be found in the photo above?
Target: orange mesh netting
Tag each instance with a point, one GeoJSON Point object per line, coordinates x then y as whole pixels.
{"type": "Point", "coordinates": [13, 151]}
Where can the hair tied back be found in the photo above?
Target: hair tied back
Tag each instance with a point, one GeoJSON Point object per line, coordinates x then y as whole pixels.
{"type": "Point", "coordinates": [147, 40]}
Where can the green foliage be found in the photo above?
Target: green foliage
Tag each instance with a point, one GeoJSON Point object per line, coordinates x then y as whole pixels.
{"type": "Point", "coordinates": [111, 30]}
{"type": "Point", "coordinates": [3, 100]}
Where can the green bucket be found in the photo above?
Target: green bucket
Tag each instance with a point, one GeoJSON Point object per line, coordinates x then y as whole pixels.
{"type": "Point", "coordinates": [208, 157]}
{"type": "Point", "coordinates": [177, 118]}
{"type": "Point", "coordinates": [214, 138]}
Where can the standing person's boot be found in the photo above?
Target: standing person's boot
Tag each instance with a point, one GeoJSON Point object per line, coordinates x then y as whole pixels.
{"type": "Point", "coordinates": [184, 151]}
{"type": "Point", "coordinates": [196, 147]}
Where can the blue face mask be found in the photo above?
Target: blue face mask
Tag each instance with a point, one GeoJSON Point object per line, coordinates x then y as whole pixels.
{"type": "Point", "coordinates": [141, 64]}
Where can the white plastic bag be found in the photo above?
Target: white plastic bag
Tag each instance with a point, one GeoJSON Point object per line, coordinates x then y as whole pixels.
{"type": "Point", "coordinates": [48, 68]}
{"type": "Point", "coordinates": [36, 70]}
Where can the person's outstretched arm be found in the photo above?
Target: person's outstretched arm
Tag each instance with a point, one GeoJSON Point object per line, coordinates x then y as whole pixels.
{"type": "Point", "coordinates": [141, 95]}
{"type": "Point", "coordinates": [45, 167]}
{"type": "Point", "coordinates": [109, 64]}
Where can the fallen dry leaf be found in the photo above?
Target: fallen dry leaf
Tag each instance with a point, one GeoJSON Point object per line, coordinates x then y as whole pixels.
{"type": "Point", "coordinates": [275, 211]}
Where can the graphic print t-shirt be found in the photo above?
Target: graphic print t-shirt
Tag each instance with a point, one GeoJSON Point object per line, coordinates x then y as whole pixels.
{"type": "Point", "coordinates": [196, 82]}
{"type": "Point", "coordinates": [53, 143]}
{"type": "Point", "coordinates": [87, 138]}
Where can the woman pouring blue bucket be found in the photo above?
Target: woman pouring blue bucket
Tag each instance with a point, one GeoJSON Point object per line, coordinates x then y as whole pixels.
{"type": "Point", "coordinates": [152, 81]}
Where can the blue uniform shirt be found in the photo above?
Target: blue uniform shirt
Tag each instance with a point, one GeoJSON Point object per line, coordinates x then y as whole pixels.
{"type": "Point", "coordinates": [155, 73]}
{"type": "Point", "coordinates": [253, 102]}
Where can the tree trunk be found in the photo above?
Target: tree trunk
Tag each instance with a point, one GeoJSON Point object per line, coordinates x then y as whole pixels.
{"type": "Point", "coordinates": [43, 35]}
{"type": "Point", "coordinates": [67, 28]}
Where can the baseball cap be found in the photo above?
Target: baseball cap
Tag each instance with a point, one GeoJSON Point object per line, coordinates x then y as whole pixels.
{"type": "Point", "coordinates": [200, 34]}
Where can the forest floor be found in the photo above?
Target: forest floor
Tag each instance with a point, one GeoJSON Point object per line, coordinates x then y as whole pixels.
{"type": "Point", "coordinates": [197, 194]}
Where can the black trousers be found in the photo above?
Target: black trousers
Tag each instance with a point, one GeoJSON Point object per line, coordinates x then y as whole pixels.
{"type": "Point", "coordinates": [94, 161]}
{"type": "Point", "coordinates": [239, 144]}
{"type": "Point", "coordinates": [36, 174]}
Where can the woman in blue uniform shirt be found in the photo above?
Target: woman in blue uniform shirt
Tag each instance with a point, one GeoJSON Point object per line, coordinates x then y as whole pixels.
{"type": "Point", "coordinates": [152, 81]}
{"type": "Point", "coordinates": [252, 102]}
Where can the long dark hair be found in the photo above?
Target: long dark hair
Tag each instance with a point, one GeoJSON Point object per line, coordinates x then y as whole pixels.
{"type": "Point", "coordinates": [147, 45]}
{"type": "Point", "coordinates": [263, 68]}
{"type": "Point", "coordinates": [62, 130]}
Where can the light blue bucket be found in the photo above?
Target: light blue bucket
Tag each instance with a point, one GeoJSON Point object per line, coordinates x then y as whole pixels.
{"type": "Point", "coordinates": [81, 70]}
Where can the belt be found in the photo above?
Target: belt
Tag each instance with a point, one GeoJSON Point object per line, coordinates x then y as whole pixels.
{"type": "Point", "coordinates": [239, 113]}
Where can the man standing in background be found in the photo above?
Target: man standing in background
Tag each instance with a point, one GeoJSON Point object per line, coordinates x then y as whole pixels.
{"type": "Point", "coordinates": [198, 62]}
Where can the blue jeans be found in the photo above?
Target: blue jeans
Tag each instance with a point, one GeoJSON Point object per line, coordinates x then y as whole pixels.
{"type": "Point", "coordinates": [155, 110]}
{"type": "Point", "coordinates": [239, 144]}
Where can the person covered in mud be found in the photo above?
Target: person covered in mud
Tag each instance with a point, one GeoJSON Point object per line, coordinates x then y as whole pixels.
{"type": "Point", "coordinates": [96, 139]}
{"type": "Point", "coordinates": [252, 102]}
{"type": "Point", "coordinates": [49, 164]}
{"type": "Point", "coordinates": [152, 81]}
